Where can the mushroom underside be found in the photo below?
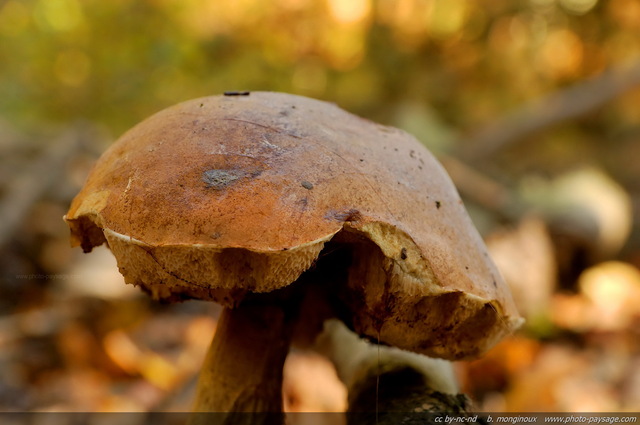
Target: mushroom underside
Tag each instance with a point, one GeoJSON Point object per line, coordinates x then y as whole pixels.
{"type": "Point", "coordinates": [349, 276]}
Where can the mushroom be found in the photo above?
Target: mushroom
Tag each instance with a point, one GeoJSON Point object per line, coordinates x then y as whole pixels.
{"type": "Point", "coordinates": [290, 210]}
{"type": "Point", "coordinates": [388, 386]}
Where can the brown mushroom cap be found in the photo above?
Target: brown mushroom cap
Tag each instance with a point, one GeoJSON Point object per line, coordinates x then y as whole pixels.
{"type": "Point", "coordinates": [218, 196]}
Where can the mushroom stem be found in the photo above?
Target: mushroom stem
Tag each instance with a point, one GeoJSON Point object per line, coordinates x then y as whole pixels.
{"type": "Point", "coordinates": [242, 372]}
{"type": "Point", "coordinates": [384, 382]}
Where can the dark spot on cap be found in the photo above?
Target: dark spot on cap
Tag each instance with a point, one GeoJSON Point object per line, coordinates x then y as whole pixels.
{"type": "Point", "coordinates": [349, 215]}
{"type": "Point", "coordinates": [438, 204]}
{"type": "Point", "coordinates": [303, 203]}
{"type": "Point", "coordinates": [307, 185]}
{"type": "Point", "coordinates": [219, 179]}
{"type": "Point", "coordinates": [403, 253]}
{"type": "Point", "coordinates": [237, 93]}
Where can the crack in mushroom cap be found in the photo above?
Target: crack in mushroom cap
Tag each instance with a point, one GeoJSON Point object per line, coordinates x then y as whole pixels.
{"type": "Point", "coordinates": [219, 196]}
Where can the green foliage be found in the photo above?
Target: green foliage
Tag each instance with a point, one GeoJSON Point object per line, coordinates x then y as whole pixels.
{"type": "Point", "coordinates": [118, 61]}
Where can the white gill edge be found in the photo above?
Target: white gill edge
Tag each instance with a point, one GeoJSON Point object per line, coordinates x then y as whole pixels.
{"type": "Point", "coordinates": [131, 239]}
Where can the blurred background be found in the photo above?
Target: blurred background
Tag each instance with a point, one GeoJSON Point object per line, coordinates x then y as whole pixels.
{"type": "Point", "coordinates": [532, 106]}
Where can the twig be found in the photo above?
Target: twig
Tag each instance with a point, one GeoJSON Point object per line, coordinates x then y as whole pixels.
{"type": "Point", "coordinates": [560, 106]}
{"type": "Point", "coordinates": [482, 189]}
